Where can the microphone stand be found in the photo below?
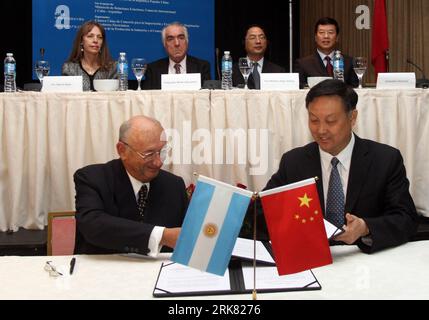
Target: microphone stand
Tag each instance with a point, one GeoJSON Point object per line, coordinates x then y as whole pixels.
{"type": "Point", "coordinates": [290, 36]}
{"type": "Point", "coordinates": [387, 53]}
{"type": "Point", "coordinates": [255, 197]}
{"type": "Point", "coordinates": [420, 83]}
{"type": "Point", "coordinates": [217, 64]}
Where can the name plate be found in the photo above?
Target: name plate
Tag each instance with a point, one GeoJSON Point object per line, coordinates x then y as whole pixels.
{"type": "Point", "coordinates": [279, 81]}
{"type": "Point", "coordinates": [62, 84]}
{"type": "Point", "coordinates": [188, 81]}
{"type": "Point", "coordinates": [399, 80]}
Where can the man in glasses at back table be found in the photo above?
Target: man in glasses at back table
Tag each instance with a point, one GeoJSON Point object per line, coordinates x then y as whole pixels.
{"type": "Point", "coordinates": [255, 44]}
{"type": "Point", "coordinates": [130, 205]}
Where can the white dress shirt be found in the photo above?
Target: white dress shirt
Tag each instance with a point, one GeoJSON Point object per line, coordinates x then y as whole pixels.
{"type": "Point", "coordinates": [172, 70]}
{"type": "Point", "coordinates": [345, 159]}
{"type": "Point", "coordinates": [323, 56]}
{"type": "Point", "coordinates": [260, 64]}
{"type": "Point", "coordinates": [157, 232]}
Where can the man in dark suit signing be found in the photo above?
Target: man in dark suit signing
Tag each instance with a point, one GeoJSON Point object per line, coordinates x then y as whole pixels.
{"type": "Point", "coordinates": [130, 205]}
{"type": "Point", "coordinates": [320, 63]}
{"type": "Point", "coordinates": [255, 43]}
{"type": "Point", "coordinates": [363, 185]}
{"type": "Point", "coordinates": [175, 39]}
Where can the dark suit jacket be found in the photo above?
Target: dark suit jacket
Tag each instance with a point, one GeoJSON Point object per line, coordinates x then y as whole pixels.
{"type": "Point", "coordinates": [268, 67]}
{"type": "Point", "coordinates": [313, 66]}
{"type": "Point", "coordinates": [106, 209]}
{"type": "Point", "coordinates": [377, 191]}
{"type": "Point", "coordinates": [156, 69]}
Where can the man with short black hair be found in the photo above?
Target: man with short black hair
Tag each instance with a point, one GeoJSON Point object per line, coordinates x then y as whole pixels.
{"type": "Point", "coordinates": [363, 185]}
{"type": "Point", "coordinates": [320, 63]}
{"type": "Point", "coordinates": [255, 43]}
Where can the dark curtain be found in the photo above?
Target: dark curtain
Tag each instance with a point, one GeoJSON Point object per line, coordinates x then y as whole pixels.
{"type": "Point", "coordinates": [16, 37]}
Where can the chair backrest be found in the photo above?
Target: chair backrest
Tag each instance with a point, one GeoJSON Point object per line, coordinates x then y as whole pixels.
{"type": "Point", "coordinates": [61, 233]}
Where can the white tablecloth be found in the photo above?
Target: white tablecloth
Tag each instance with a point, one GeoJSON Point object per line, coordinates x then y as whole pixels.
{"type": "Point", "coordinates": [45, 137]}
{"type": "Point", "coordinates": [398, 273]}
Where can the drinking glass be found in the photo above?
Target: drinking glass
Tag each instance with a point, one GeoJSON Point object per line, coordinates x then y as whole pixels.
{"type": "Point", "coordinates": [42, 69]}
{"type": "Point", "coordinates": [139, 66]}
{"type": "Point", "coordinates": [359, 65]}
{"type": "Point", "coordinates": [245, 69]}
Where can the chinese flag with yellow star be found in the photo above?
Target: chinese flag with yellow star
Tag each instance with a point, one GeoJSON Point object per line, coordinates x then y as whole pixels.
{"type": "Point", "coordinates": [295, 225]}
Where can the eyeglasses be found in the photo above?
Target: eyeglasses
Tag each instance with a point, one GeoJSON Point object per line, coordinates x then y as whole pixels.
{"type": "Point", "coordinates": [53, 272]}
{"type": "Point", "coordinates": [149, 156]}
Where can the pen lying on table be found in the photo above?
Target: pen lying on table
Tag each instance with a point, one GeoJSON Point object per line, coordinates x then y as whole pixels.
{"type": "Point", "coordinates": [72, 263]}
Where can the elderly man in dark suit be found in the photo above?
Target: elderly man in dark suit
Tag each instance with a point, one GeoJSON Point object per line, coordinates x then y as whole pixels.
{"type": "Point", "coordinates": [319, 64]}
{"type": "Point", "coordinates": [130, 205]}
{"type": "Point", "coordinates": [255, 43]}
{"type": "Point", "coordinates": [363, 185]}
{"type": "Point", "coordinates": [175, 39]}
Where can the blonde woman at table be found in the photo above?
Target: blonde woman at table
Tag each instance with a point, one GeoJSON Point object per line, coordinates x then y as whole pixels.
{"type": "Point", "coordinates": [90, 56]}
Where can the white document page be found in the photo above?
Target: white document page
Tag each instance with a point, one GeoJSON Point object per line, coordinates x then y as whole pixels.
{"type": "Point", "coordinates": [268, 278]}
{"type": "Point", "coordinates": [176, 278]}
{"type": "Point", "coordinates": [331, 230]}
{"type": "Point", "coordinates": [244, 249]}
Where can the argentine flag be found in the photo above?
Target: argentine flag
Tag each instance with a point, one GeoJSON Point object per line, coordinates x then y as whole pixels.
{"type": "Point", "coordinates": [211, 226]}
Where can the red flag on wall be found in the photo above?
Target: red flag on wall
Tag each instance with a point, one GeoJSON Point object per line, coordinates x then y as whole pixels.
{"type": "Point", "coordinates": [295, 225]}
{"type": "Point", "coordinates": [380, 37]}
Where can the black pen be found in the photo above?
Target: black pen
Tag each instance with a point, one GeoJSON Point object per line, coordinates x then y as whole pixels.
{"type": "Point", "coordinates": [72, 263]}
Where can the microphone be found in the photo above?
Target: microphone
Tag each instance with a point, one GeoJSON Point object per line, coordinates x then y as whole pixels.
{"type": "Point", "coordinates": [421, 83]}
{"type": "Point", "coordinates": [217, 63]}
{"type": "Point", "coordinates": [42, 53]}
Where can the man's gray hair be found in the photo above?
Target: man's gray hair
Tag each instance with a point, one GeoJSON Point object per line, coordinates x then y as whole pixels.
{"type": "Point", "coordinates": [123, 130]}
{"type": "Point", "coordinates": [178, 24]}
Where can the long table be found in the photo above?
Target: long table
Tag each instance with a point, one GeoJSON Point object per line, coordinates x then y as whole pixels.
{"type": "Point", "coordinates": [397, 273]}
{"type": "Point", "coordinates": [235, 136]}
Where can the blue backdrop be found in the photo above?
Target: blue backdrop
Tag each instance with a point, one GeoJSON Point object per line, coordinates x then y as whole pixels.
{"type": "Point", "coordinates": [132, 26]}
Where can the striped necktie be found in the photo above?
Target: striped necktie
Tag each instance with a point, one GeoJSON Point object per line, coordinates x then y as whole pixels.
{"type": "Point", "coordinates": [177, 67]}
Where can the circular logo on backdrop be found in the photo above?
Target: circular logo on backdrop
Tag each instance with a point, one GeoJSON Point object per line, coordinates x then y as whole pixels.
{"type": "Point", "coordinates": [210, 230]}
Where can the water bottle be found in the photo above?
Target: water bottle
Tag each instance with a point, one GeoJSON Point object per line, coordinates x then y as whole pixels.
{"type": "Point", "coordinates": [338, 66]}
{"type": "Point", "coordinates": [226, 71]}
{"type": "Point", "coordinates": [9, 73]}
{"type": "Point", "coordinates": [123, 72]}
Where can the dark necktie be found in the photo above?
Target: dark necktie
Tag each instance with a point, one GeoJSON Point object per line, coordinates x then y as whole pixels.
{"type": "Point", "coordinates": [177, 67]}
{"type": "Point", "coordinates": [329, 67]}
{"type": "Point", "coordinates": [256, 76]}
{"type": "Point", "coordinates": [335, 198]}
{"type": "Point", "coordinates": [141, 201]}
